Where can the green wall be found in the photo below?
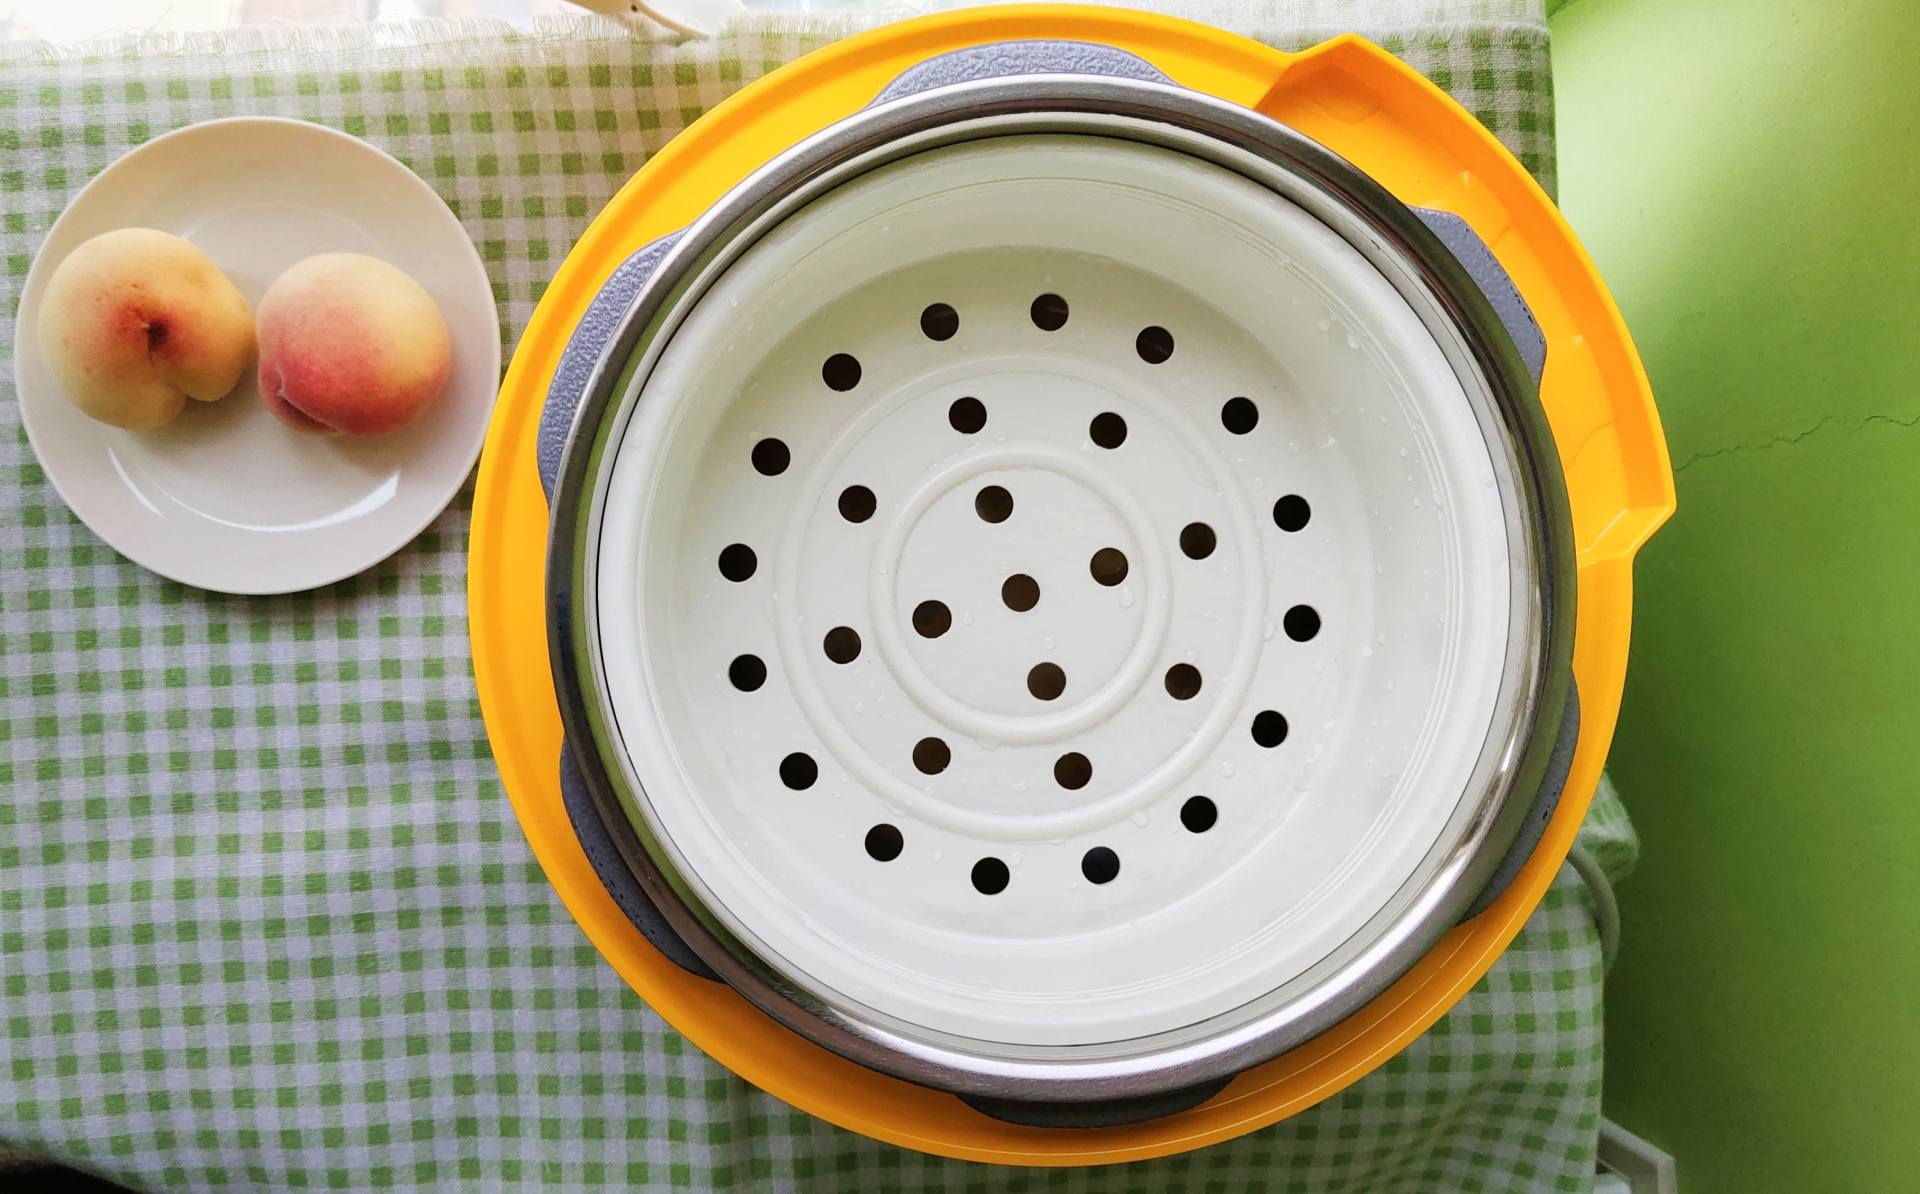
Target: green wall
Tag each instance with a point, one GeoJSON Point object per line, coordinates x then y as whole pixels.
{"type": "Point", "coordinates": [1747, 176]}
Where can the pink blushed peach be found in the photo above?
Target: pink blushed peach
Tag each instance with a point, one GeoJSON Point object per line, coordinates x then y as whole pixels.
{"type": "Point", "coordinates": [136, 321]}
{"type": "Point", "coordinates": [350, 343]}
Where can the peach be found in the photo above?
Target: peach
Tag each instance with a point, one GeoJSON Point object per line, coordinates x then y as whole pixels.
{"type": "Point", "coordinates": [350, 343]}
{"type": "Point", "coordinates": [135, 321]}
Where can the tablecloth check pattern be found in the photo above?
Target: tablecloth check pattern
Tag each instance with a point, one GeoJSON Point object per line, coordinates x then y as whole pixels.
{"type": "Point", "coordinates": [266, 920]}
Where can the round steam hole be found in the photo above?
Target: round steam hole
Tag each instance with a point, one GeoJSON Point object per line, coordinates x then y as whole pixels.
{"type": "Point", "coordinates": [842, 644]}
{"type": "Point", "coordinates": [1269, 728]}
{"type": "Point", "coordinates": [1072, 771]}
{"type": "Point", "coordinates": [1100, 865]}
{"type": "Point", "coordinates": [967, 415]}
{"type": "Point", "coordinates": [841, 372]}
{"type": "Point", "coordinates": [1302, 622]}
{"type": "Point", "coordinates": [747, 673]}
{"type": "Point", "coordinates": [1021, 592]}
{"type": "Point", "coordinates": [1049, 312]}
{"type": "Point", "coordinates": [1198, 814]}
{"type": "Point", "coordinates": [932, 618]}
{"type": "Point", "coordinates": [1183, 681]}
{"type": "Point", "coordinates": [770, 457]}
{"type": "Point", "coordinates": [1291, 512]}
{"type": "Point", "coordinates": [1239, 415]}
{"type": "Point", "coordinates": [931, 756]}
{"type": "Point", "coordinates": [884, 843]}
{"type": "Point", "coordinates": [798, 771]}
{"type": "Point", "coordinates": [1046, 681]}
{"type": "Point", "coordinates": [1197, 540]}
{"type": "Point", "coordinates": [939, 322]}
{"type": "Point", "coordinates": [857, 503]}
{"type": "Point", "coordinates": [737, 562]}
{"type": "Point", "coordinates": [990, 876]}
{"type": "Point", "coordinates": [993, 504]}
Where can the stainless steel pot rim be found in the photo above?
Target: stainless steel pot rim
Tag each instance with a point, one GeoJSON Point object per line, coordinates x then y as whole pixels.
{"type": "Point", "coordinates": [1387, 233]}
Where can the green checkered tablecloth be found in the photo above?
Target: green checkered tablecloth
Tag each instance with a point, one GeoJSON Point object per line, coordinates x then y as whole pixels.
{"type": "Point", "coordinates": [265, 917]}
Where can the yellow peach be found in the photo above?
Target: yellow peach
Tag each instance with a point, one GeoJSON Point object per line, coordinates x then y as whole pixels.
{"type": "Point", "coordinates": [350, 343]}
{"type": "Point", "coordinates": [134, 322]}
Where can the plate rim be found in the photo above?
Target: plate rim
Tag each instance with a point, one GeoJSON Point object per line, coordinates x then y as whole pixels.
{"type": "Point", "coordinates": [355, 563]}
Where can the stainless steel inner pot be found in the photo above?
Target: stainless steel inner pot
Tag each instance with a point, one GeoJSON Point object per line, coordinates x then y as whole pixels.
{"type": "Point", "coordinates": [1443, 277]}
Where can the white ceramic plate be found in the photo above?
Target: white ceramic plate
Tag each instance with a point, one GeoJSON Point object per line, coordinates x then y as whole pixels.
{"type": "Point", "coordinates": [227, 497]}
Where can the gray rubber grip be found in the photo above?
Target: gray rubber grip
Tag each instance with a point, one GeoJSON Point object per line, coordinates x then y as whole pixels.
{"type": "Point", "coordinates": [1112, 1113]}
{"type": "Point", "coordinates": [1008, 58]}
{"type": "Point", "coordinates": [1488, 274]}
{"type": "Point", "coordinates": [1545, 801]}
{"type": "Point", "coordinates": [583, 351]}
{"type": "Point", "coordinates": [615, 876]}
